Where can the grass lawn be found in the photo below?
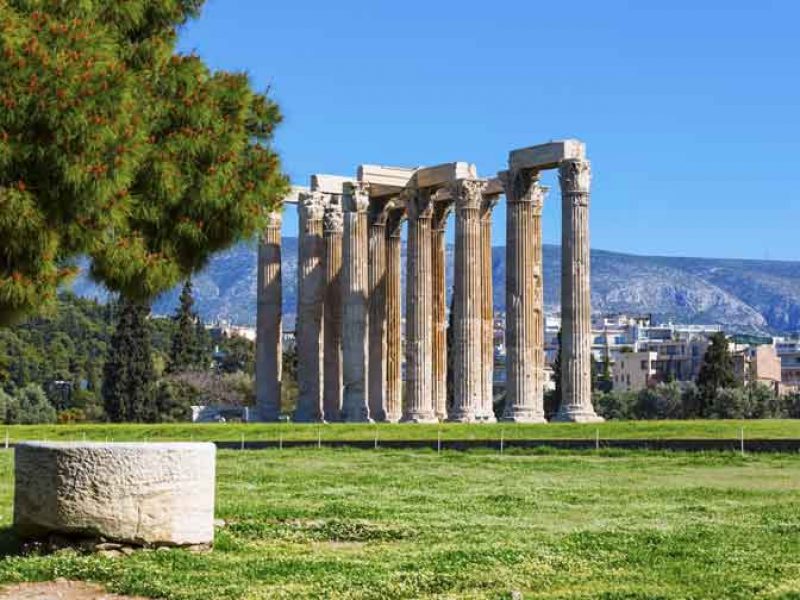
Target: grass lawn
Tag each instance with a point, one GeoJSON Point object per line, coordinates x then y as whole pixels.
{"type": "Point", "coordinates": [777, 428]}
{"type": "Point", "coordinates": [310, 523]}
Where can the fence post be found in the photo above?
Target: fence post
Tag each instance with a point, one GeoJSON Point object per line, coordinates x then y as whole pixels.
{"type": "Point", "coordinates": [280, 440]}
{"type": "Point", "coordinates": [439, 441]}
{"type": "Point", "coordinates": [242, 446]}
{"type": "Point", "coordinates": [741, 440]}
{"type": "Point", "coordinates": [597, 439]}
{"type": "Point", "coordinates": [376, 437]}
{"type": "Point", "coordinates": [6, 439]}
{"type": "Point", "coordinates": [502, 440]}
{"type": "Point", "coordinates": [319, 438]}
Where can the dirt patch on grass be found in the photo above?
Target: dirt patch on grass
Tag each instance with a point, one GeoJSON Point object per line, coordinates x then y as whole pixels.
{"type": "Point", "coordinates": [60, 590]}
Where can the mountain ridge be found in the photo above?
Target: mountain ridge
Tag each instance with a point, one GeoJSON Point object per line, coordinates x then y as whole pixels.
{"type": "Point", "coordinates": [748, 295]}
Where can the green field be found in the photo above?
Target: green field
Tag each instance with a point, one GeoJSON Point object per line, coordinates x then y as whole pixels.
{"type": "Point", "coordinates": [773, 429]}
{"type": "Point", "coordinates": [326, 523]}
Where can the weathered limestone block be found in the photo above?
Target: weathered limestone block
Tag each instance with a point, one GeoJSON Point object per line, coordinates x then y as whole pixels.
{"type": "Point", "coordinates": [139, 493]}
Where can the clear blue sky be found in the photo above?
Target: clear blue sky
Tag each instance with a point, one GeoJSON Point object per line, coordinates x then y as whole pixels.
{"type": "Point", "coordinates": [690, 109]}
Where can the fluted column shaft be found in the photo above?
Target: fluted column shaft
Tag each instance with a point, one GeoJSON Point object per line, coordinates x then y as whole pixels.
{"type": "Point", "coordinates": [576, 326]}
{"type": "Point", "coordinates": [379, 210]}
{"type": "Point", "coordinates": [524, 302]}
{"type": "Point", "coordinates": [355, 251]}
{"type": "Point", "coordinates": [332, 319]}
{"type": "Point", "coordinates": [441, 210]}
{"type": "Point", "coordinates": [487, 311]}
{"type": "Point", "coordinates": [269, 343]}
{"type": "Point", "coordinates": [467, 322]}
{"type": "Point", "coordinates": [310, 300]}
{"type": "Point", "coordinates": [394, 333]}
{"type": "Point", "coordinates": [419, 323]}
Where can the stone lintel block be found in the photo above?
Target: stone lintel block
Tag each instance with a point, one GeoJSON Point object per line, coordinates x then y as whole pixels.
{"type": "Point", "coordinates": [546, 156]}
{"type": "Point", "coordinates": [441, 175]}
{"type": "Point", "coordinates": [385, 181]}
{"type": "Point", "coordinates": [137, 493]}
{"type": "Point", "coordinates": [329, 184]}
{"type": "Point", "coordinates": [294, 194]}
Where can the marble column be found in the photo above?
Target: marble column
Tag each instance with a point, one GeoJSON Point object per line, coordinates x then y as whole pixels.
{"type": "Point", "coordinates": [355, 317]}
{"type": "Point", "coordinates": [467, 320]}
{"type": "Point", "coordinates": [524, 302]}
{"type": "Point", "coordinates": [441, 210]}
{"type": "Point", "coordinates": [486, 413]}
{"type": "Point", "coordinates": [378, 215]}
{"type": "Point", "coordinates": [332, 319]}
{"type": "Point", "coordinates": [269, 343]}
{"type": "Point", "coordinates": [418, 406]}
{"type": "Point", "coordinates": [576, 323]}
{"type": "Point", "coordinates": [394, 332]}
{"type": "Point", "coordinates": [310, 301]}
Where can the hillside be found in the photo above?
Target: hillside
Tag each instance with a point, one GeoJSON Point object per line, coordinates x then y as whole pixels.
{"type": "Point", "coordinates": [742, 295]}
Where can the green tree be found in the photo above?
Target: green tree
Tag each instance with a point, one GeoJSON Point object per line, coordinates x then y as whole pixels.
{"type": "Point", "coordinates": [552, 400]}
{"type": "Point", "coordinates": [185, 350]}
{"type": "Point", "coordinates": [238, 354]}
{"type": "Point", "coordinates": [716, 371]}
{"type": "Point", "coordinates": [128, 375]}
{"type": "Point", "coordinates": [116, 147]}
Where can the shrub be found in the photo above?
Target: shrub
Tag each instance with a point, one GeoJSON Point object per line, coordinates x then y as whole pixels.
{"type": "Point", "coordinates": [30, 406]}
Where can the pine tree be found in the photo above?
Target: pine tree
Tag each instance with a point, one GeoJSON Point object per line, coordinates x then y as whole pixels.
{"type": "Point", "coordinates": [116, 147]}
{"type": "Point", "coordinates": [185, 350]}
{"type": "Point", "coordinates": [716, 372]}
{"type": "Point", "coordinates": [128, 375]}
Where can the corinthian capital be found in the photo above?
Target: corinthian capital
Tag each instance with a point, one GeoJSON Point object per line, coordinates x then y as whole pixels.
{"type": "Point", "coordinates": [312, 205]}
{"type": "Point", "coordinates": [274, 219]}
{"type": "Point", "coordinates": [575, 176]}
{"type": "Point", "coordinates": [356, 196]}
{"type": "Point", "coordinates": [522, 185]}
{"type": "Point", "coordinates": [334, 220]}
{"type": "Point", "coordinates": [468, 193]}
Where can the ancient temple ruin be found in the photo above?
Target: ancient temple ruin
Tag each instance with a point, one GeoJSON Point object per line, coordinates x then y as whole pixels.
{"type": "Point", "coordinates": [348, 334]}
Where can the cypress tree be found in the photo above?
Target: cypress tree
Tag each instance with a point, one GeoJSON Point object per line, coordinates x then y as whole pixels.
{"type": "Point", "coordinates": [716, 371]}
{"type": "Point", "coordinates": [185, 350]}
{"type": "Point", "coordinates": [128, 375]}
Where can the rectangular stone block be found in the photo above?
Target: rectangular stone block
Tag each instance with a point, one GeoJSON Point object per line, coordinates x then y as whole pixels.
{"type": "Point", "coordinates": [385, 181]}
{"type": "Point", "coordinates": [546, 156]}
{"type": "Point", "coordinates": [440, 175]}
{"type": "Point", "coordinates": [294, 194]}
{"type": "Point", "coordinates": [329, 184]}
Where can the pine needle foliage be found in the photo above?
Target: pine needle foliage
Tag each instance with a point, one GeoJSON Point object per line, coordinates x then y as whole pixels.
{"type": "Point", "coordinates": [115, 146]}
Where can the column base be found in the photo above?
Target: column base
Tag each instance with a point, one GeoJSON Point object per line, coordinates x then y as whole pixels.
{"type": "Point", "coordinates": [267, 416]}
{"type": "Point", "coordinates": [489, 419]}
{"type": "Point", "coordinates": [523, 416]}
{"type": "Point", "coordinates": [360, 417]}
{"type": "Point", "coordinates": [462, 417]}
{"type": "Point", "coordinates": [577, 416]}
{"type": "Point", "coordinates": [392, 418]}
{"type": "Point", "coordinates": [419, 417]}
{"type": "Point", "coordinates": [307, 419]}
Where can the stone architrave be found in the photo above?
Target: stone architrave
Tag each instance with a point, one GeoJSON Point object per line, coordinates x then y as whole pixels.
{"type": "Point", "coordinates": [133, 493]}
{"type": "Point", "coordinates": [332, 320]}
{"type": "Point", "coordinates": [524, 302]}
{"type": "Point", "coordinates": [486, 413]}
{"type": "Point", "coordinates": [394, 332]}
{"type": "Point", "coordinates": [418, 406]}
{"type": "Point", "coordinates": [378, 215]}
{"type": "Point", "coordinates": [355, 309]}
{"type": "Point", "coordinates": [576, 341]}
{"type": "Point", "coordinates": [310, 300]}
{"type": "Point", "coordinates": [467, 322]}
{"type": "Point", "coordinates": [441, 210]}
{"type": "Point", "coordinates": [269, 347]}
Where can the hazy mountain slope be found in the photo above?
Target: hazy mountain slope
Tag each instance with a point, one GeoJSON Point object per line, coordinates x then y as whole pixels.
{"type": "Point", "coordinates": [740, 294]}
